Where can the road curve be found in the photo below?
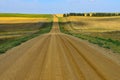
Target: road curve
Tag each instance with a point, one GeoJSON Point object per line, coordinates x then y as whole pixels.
{"type": "Point", "coordinates": [57, 56]}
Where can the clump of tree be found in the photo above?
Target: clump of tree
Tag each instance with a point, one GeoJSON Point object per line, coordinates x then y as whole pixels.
{"type": "Point", "coordinates": [106, 14]}
{"type": "Point", "coordinates": [65, 15]}
{"type": "Point", "coordinates": [92, 14]}
{"type": "Point", "coordinates": [73, 14]}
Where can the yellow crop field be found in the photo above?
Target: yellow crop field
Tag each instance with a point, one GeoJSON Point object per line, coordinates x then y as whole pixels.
{"type": "Point", "coordinates": [59, 15]}
{"type": "Point", "coordinates": [94, 24]}
{"type": "Point", "coordinates": [11, 20]}
{"type": "Point", "coordinates": [11, 27]}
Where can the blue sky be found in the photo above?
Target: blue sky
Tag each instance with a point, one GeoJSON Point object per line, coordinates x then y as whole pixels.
{"type": "Point", "coordinates": [58, 6]}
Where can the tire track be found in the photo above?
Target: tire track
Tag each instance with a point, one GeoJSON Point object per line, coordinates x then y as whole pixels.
{"type": "Point", "coordinates": [15, 68]}
{"type": "Point", "coordinates": [101, 72]}
{"type": "Point", "coordinates": [70, 60]}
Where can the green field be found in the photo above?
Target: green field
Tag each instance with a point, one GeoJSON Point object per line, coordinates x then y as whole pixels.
{"type": "Point", "coordinates": [25, 15]}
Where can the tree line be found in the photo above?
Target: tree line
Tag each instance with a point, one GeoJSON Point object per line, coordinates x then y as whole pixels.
{"type": "Point", "coordinates": [91, 14]}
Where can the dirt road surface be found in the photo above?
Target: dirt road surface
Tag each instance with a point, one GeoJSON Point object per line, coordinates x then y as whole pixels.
{"type": "Point", "coordinates": [57, 56]}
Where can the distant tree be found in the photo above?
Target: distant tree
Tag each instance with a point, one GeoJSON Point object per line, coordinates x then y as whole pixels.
{"type": "Point", "coordinates": [64, 15]}
{"type": "Point", "coordinates": [91, 14]}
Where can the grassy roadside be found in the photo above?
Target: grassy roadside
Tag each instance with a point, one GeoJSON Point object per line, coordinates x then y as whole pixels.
{"type": "Point", "coordinates": [17, 41]}
{"type": "Point", "coordinates": [108, 43]}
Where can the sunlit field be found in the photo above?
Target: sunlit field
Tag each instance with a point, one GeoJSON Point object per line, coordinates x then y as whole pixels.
{"type": "Point", "coordinates": [19, 26]}
{"type": "Point", "coordinates": [95, 24]}
{"type": "Point", "coordinates": [14, 30]}
{"type": "Point", "coordinates": [104, 31]}
{"type": "Point", "coordinates": [11, 20]}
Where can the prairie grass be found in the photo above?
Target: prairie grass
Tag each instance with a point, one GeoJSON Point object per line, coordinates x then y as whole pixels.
{"type": "Point", "coordinates": [6, 43]}
{"type": "Point", "coordinates": [95, 24]}
{"type": "Point", "coordinates": [94, 30]}
{"type": "Point", "coordinates": [16, 30]}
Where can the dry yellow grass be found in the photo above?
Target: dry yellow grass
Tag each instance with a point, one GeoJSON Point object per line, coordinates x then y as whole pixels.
{"type": "Point", "coordinates": [9, 36]}
{"type": "Point", "coordinates": [59, 15]}
{"type": "Point", "coordinates": [17, 32]}
{"type": "Point", "coordinates": [21, 20]}
{"type": "Point", "coordinates": [94, 24]}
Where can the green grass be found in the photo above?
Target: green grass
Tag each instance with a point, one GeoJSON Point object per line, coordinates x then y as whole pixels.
{"type": "Point", "coordinates": [25, 15]}
{"type": "Point", "coordinates": [108, 43]}
{"type": "Point", "coordinates": [114, 45]}
{"type": "Point", "coordinates": [10, 43]}
{"type": "Point", "coordinates": [113, 35]}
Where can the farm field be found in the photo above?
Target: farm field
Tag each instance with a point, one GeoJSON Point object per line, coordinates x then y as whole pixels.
{"type": "Point", "coordinates": [104, 31]}
{"type": "Point", "coordinates": [25, 15]}
{"type": "Point", "coordinates": [20, 27]}
{"type": "Point", "coordinates": [94, 24]}
{"type": "Point", "coordinates": [58, 56]}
